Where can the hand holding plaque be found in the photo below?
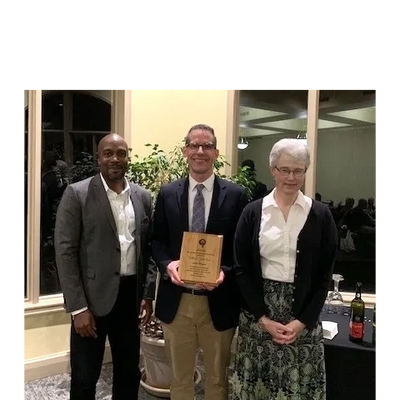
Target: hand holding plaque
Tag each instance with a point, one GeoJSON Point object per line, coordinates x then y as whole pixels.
{"type": "Point", "coordinates": [200, 258]}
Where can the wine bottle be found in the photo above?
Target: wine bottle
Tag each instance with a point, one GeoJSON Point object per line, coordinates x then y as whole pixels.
{"type": "Point", "coordinates": [357, 311]}
{"type": "Point", "coordinates": [374, 324]}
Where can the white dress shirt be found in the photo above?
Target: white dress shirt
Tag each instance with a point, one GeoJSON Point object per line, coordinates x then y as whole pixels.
{"type": "Point", "coordinates": [124, 217]}
{"type": "Point", "coordinates": [278, 238]}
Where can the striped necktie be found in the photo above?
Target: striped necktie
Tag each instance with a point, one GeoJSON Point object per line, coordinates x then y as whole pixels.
{"type": "Point", "coordinates": [198, 219]}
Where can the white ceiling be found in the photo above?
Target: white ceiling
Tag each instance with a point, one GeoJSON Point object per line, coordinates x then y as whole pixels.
{"type": "Point", "coordinates": [268, 112]}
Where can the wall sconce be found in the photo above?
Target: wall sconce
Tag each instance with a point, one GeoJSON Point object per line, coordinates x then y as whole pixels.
{"type": "Point", "coordinates": [243, 143]}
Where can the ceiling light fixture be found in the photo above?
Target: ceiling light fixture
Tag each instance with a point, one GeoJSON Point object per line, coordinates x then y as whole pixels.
{"type": "Point", "coordinates": [302, 136]}
{"type": "Point", "coordinates": [243, 143]}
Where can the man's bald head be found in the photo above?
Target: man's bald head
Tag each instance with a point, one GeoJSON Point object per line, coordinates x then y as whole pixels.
{"type": "Point", "coordinates": [111, 137]}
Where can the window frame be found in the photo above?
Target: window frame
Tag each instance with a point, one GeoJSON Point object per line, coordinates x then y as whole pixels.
{"type": "Point", "coordinates": [33, 198]}
{"type": "Point", "coordinates": [35, 303]}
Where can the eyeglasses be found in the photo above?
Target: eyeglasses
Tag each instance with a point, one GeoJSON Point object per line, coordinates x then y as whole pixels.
{"type": "Point", "coordinates": [298, 173]}
{"type": "Point", "coordinates": [205, 146]}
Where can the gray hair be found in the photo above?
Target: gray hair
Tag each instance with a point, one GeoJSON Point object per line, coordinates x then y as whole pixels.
{"type": "Point", "coordinates": [291, 147]}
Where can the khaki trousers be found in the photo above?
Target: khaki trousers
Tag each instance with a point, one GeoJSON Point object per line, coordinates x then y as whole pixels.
{"type": "Point", "coordinates": [191, 327]}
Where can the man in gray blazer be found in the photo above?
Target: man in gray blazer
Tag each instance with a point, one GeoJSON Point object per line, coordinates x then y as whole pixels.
{"type": "Point", "coordinates": [102, 239]}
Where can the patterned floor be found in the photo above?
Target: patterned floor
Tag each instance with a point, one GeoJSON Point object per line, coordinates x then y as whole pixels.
{"type": "Point", "coordinates": [57, 387]}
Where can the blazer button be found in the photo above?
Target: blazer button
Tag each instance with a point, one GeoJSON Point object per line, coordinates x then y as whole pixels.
{"type": "Point", "coordinates": [298, 251]}
{"type": "Point", "coordinates": [116, 273]}
{"type": "Point", "coordinates": [118, 250]}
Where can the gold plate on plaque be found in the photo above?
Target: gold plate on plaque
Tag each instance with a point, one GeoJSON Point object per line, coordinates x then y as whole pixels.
{"type": "Point", "coordinates": [200, 258]}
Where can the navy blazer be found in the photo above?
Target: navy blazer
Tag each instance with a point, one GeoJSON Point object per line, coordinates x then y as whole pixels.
{"type": "Point", "coordinates": [171, 219]}
{"type": "Point", "coordinates": [316, 253]}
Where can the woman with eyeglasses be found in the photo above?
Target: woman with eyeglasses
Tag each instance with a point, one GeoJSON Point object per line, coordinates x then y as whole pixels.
{"type": "Point", "coordinates": [285, 246]}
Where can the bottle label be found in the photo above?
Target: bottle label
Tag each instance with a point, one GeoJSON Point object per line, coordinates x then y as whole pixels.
{"type": "Point", "coordinates": [357, 329]}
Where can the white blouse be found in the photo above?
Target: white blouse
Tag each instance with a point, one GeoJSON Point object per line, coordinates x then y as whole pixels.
{"type": "Point", "coordinates": [278, 238]}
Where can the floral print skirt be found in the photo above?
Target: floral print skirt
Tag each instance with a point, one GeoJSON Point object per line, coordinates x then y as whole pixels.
{"type": "Point", "coordinates": [265, 370]}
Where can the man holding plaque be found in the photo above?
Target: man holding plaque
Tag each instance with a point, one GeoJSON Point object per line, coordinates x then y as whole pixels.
{"type": "Point", "coordinates": [196, 311]}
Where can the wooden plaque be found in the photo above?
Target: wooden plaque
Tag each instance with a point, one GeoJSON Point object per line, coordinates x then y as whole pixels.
{"type": "Point", "coordinates": [200, 259]}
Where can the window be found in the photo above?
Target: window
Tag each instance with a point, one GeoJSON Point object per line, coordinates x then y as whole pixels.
{"type": "Point", "coordinates": [346, 180]}
{"type": "Point", "coordinates": [90, 113]}
{"type": "Point", "coordinates": [66, 156]}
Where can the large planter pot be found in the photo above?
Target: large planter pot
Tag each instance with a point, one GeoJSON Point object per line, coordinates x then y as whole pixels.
{"type": "Point", "coordinates": [159, 392]}
{"type": "Point", "coordinates": [156, 363]}
{"type": "Point", "coordinates": [157, 372]}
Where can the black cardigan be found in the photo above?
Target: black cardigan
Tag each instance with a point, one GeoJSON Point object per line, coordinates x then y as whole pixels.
{"type": "Point", "coordinates": [316, 252]}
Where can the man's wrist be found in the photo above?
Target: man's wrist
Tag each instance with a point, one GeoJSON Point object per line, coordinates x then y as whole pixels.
{"type": "Point", "coordinates": [76, 312]}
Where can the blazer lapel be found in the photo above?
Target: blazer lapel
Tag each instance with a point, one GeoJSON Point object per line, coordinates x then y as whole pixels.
{"type": "Point", "coordinates": [182, 198]}
{"type": "Point", "coordinates": [218, 197]}
{"type": "Point", "coordinates": [139, 215]}
{"type": "Point", "coordinates": [104, 202]}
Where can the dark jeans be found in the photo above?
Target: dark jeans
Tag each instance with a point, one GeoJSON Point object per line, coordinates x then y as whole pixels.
{"type": "Point", "coordinates": [122, 327]}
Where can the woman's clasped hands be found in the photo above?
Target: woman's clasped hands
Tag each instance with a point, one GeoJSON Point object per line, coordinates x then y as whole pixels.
{"type": "Point", "coordinates": [281, 333]}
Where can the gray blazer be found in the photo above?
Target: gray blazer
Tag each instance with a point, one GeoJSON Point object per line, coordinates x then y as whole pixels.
{"type": "Point", "coordinates": [88, 253]}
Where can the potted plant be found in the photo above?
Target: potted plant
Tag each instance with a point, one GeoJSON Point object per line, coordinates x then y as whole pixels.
{"type": "Point", "coordinates": [83, 168]}
{"type": "Point", "coordinates": [157, 372]}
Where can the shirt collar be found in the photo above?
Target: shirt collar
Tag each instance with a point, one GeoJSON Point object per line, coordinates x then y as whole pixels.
{"type": "Point", "coordinates": [208, 183]}
{"type": "Point", "coordinates": [270, 200]}
{"type": "Point", "coordinates": [108, 190]}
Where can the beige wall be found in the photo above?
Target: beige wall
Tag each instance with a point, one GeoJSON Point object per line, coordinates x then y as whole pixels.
{"type": "Point", "coordinates": [46, 334]}
{"type": "Point", "coordinates": [165, 116]}
{"type": "Point", "coordinates": [346, 165]}
{"type": "Point", "coordinates": [161, 117]}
